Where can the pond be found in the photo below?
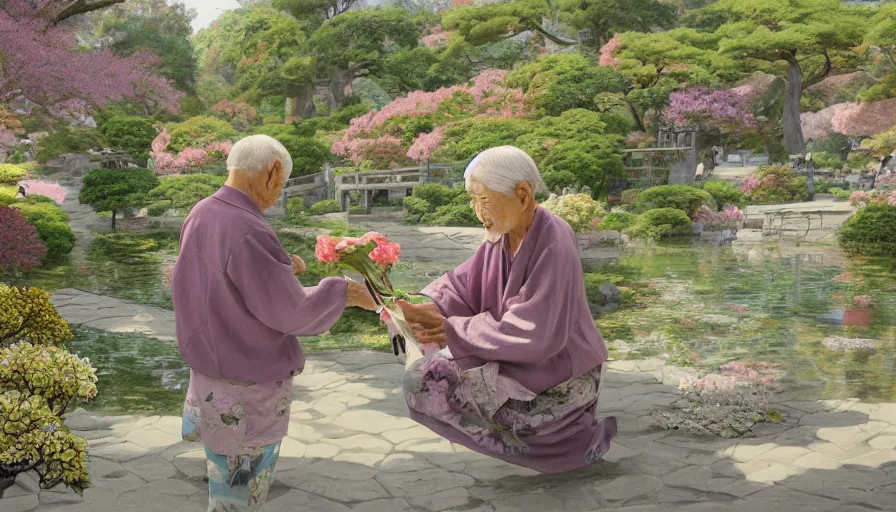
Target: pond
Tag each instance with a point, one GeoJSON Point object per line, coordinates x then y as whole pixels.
{"type": "Point", "coordinates": [829, 322]}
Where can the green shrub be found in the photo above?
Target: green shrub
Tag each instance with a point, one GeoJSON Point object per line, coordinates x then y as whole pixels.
{"type": "Point", "coordinates": [8, 195]}
{"type": "Point", "coordinates": [67, 140]}
{"type": "Point", "coordinates": [11, 175]}
{"type": "Point", "coordinates": [295, 206]}
{"type": "Point", "coordinates": [200, 131]}
{"type": "Point", "coordinates": [660, 223]}
{"type": "Point", "coordinates": [617, 221]}
{"type": "Point", "coordinates": [840, 193]}
{"type": "Point", "coordinates": [276, 130]}
{"type": "Point", "coordinates": [438, 205]}
{"type": "Point", "coordinates": [681, 197]}
{"type": "Point", "coordinates": [131, 134]}
{"type": "Point", "coordinates": [870, 232]}
{"type": "Point", "coordinates": [825, 160]}
{"type": "Point", "coordinates": [415, 208]}
{"type": "Point", "coordinates": [114, 190]}
{"type": "Point", "coordinates": [578, 210]}
{"type": "Point", "coordinates": [325, 207]}
{"type": "Point", "coordinates": [458, 215]}
{"type": "Point", "coordinates": [182, 192]}
{"type": "Point", "coordinates": [308, 155]}
{"type": "Point", "coordinates": [725, 192]}
{"type": "Point", "coordinates": [630, 197]}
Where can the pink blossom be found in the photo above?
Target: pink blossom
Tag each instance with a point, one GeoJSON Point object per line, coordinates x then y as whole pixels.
{"type": "Point", "coordinates": [720, 109]}
{"type": "Point", "coordinates": [373, 236]}
{"type": "Point", "coordinates": [864, 301]}
{"type": "Point", "coordinates": [347, 242]}
{"type": "Point", "coordinates": [422, 148]}
{"type": "Point", "coordinates": [53, 190]}
{"type": "Point", "coordinates": [858, 119]}
{"type": "Point", "coordinates": [607, 53]}
{"type": "Point", "coordinates": [752, 183]}
{"type": "Point", "coordinates": [223, 147]}
{"type": "Point", "coordinates": [325, 250]}
{"type": "Point", "coordinates": [436, 39]}
{"type": "Point", "coordinates": [386, 254]}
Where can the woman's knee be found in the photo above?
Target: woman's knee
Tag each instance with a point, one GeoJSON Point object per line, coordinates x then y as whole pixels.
{"type": "Point", "coordinates": [413, 377]}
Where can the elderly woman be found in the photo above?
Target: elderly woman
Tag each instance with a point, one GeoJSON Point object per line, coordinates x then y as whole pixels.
{"type": "Point", "coordinates": [239, 308]}
{"type": "Point", "coordinates": [522, 371]}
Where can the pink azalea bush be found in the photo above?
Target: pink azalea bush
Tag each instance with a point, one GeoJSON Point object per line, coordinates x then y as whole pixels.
{"type": "Point", "coordinates": [608, 53]}
{"type": "Point", "coordinates": [725, 219]}
{"type": "Point", "coordinates": [53, 190]}
{"type": "Point", "coordinates": [721, 109]}
{"type": "Point", "coordinates": [377, 132]}
{"type": "Point", "coordinates": [861, 198]}
{"type": "Point", "coordinates": [191, 159]}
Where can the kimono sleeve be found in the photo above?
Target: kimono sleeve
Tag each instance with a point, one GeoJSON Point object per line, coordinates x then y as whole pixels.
{"type": "Point", "coordinates": [452, 293]}
{"type": "Point", "coordinates": [534, 328]}
{"type": "Point", "coordinates": [262, 272]}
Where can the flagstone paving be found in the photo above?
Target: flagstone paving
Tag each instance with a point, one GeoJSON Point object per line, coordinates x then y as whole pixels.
{"type": "Point", "coordinates": [351, 447]}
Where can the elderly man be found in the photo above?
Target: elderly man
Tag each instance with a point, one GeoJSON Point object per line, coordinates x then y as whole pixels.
{"type": "Point", "coordinates": [524, 363]}
{"type": "Point", "coordinates": [239, 308]}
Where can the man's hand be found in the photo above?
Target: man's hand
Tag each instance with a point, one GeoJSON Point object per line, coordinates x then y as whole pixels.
{"type": "Point", "coordinates": [359, 297]}
{"type": "Point", "coordinates": [427, 322]}
{"type": "Point", "coordinates": [298, 265]}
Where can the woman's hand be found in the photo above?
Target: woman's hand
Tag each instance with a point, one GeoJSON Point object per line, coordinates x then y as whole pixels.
{"type": "Point", "coordinates": [427, 322]}
{"type": "Point", "coordinates": [298, 265]}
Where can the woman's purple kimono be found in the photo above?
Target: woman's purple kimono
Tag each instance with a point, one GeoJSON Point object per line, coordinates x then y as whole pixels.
{"type": "Point", "coordinates": [521, 377]}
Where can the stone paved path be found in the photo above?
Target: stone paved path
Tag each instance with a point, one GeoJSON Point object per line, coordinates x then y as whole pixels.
{"type": "Point", "coordinates": [108, 313]}
{"type": "Point", "coordinates": [352, 447]}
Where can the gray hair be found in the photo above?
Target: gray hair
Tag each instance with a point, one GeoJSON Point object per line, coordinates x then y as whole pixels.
{"type": "Point", "coordinates": [254, 154]}
{"type": "Point", "coordinates": [503, 168]}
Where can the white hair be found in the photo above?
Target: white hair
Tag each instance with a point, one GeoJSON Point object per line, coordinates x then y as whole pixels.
{"type": "Point", "coordinates": [255, 153]}
{"type": "Point", "coordinates": [503, 168]}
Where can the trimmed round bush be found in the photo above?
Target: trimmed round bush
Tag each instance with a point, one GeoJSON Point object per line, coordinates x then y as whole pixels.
{"type": "Point", "coordinates": [11, 175]}
{"type": "Point", "coordinates": [131, 134]}
{"type": "Point", "coordinates": [325, 207]}
{"type": "Point", "coordinates": [51, 223]}
{"type": "Point", "coordinates": [680, 197]}
{"type": "Point", "coordinates": [295, 206]}
{"type": "Point", "coordinates": [725, 192]}
{"type": "Point", "coordinates": [200, 131]}
{"type": "Point", "coordinates": [870, 232]}
{"type": "Point", "coordinates": [660, 223]}
{"type": "Point", "coordinates": [617, 221]}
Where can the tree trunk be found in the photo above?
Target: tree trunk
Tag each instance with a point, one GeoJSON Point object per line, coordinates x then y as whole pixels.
{"type": "Point", "coordinates": [338, 81]}
{"type": "Point", "coordinates": [302, 104]}
{"type": "Point", "coordinates": [793, 91]}
{"type": "Point", "coordinates": [114, 213]}
{"type": "Point", "coordinates": [639, 123]}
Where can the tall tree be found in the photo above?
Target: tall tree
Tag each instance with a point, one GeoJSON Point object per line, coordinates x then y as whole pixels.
{"type": "Point", "coordinates": [803, 41]}
{"type": "Point", "coordinates": [607, 17]}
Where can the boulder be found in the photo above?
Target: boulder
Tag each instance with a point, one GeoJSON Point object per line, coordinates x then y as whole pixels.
{"type": "Point", "coordinates": [609, 294]}
{"type": "Point", "coordinates": [74, 164]}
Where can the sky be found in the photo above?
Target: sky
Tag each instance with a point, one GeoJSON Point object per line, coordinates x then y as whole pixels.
{"type": "Point", "coordinates": [208, 10]}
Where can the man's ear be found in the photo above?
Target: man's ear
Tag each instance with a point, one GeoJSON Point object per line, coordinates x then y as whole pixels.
{"type": "Point", "coordinates": [524, 192]}
{"type": "Point", "coordinates": [275, 173]}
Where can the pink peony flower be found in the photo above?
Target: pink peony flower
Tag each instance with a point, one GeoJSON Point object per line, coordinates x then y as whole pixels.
{"type": "Point", "coordinates": [347, 242]}
{"type": "Point", "coordinates": [386, 254]}
{"type": "Point", "coordinates": [326, 249]}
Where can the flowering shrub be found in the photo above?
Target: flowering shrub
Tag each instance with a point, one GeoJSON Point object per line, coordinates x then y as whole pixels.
{"type": "Point", "coordinates": [39, 380]}
{"type": "Point", "coordinates": [239, 114]}
{"type": "Point", "coordinates": [725, 219]}
{"type": "Point", "coordinates": [608, 52]}
{"type": "Point", "coordinates": [199, 132]}
{"type": "Point", "coordinates": [726, 404]}
{"type": "Point", "coordinates": [51, 223]}
{"type": "Point", "coordinates": [578, 210]}
{"type": "Point", "coordinates": [725, 193]}
{"type": "Point", "coordinates": [53, 190]}
{"type": "Point", "coordinates": [776, 184]}
{"type": "Point", "coordinates": [639, 140]}
{"type": "Point", "coordinates": [861, 198]}
{"type": "Point", "coordinates": [21, 248]}
{"type": "Point", "coordinates": [725, 109]}
{"type": "Point", "coordinates": [191, 159]}
{"type": "Point", "coordinates": [851, 119]}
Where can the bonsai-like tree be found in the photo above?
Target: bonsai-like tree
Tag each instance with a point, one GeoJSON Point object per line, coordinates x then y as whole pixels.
{"type": "Point", "coordinates": [113, 190]}
{"type": "Point", "coordinates": [39, 380]}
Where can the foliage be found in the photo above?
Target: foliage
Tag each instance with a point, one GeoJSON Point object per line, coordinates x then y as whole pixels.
{"type": "Point", "coordinates": [43, 61]}
{"type": "Point", "coordinates": [27, 314]}
{"type": "Point", "coordinates": [44, 189]}
{"type": "Point", "coordinates": [557, 83]}
{"type": "Point", "coordinates": [67, 140]}
{"type": "Point", "coordinates": [182, 192]}
{"type": "Point", "coordinates": [869, 232]}
{"type": "Point", "coordinates": [200, 131]}
{"type": "Point", "coordinates": [572, 163]}
{"type": "Point", "coordinates": [776, 184]}
{"type": "Point", "coordinates": [11, 174]}
{"type": "Point", "coordinates": [719, 110]}
{"type": "Point", "coordinates": [579, 210]}
{"type": "Point", "coordinates": [725, 193]}
{"type": "Point", "coordinates": [660, 223]}
{"type": "Point", "coordinates": [727, 218]}
{"type": "Point", "coordinates": [824, 160]}
{"type": "Point", "coordinates": [325, 207]}
{"type": "Point", "coordinates": [438, 205]}
{"type": "Point", "coordinates": [38, 382]}
{"type": "Point", "coordinates": [681, 197]}
{"type": "Point", "coordinates": [882, 144]}
{"type": "Point", "coordinates": [190, 159]}
{"type": "Point", "coordinates": [617, 221]}
{"type": "Point", "coordinates": [295, 206]}
{"type": "Point", "coordinates": [237, 113]}
{"type": "Point", "coordinates": [131, 134]}
{"type": "Point", "coordinates": [114, 190]}
{"type": "Point", "coordinates": [21, 248]}
{"type": "Point", "coordinates": [52, 227]}
{"type": "Point", "coordinates": [308, 155]}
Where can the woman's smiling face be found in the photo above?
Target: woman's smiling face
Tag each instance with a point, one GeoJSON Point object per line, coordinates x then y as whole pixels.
{"type": "Point", "coordinates": [498, 213]}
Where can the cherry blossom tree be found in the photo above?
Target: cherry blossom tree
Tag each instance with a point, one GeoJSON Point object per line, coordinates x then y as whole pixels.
{"type": "Point", "coordinates": [43, 62]}
{"type": "Point", "coordinates": [850, 119]}
{"type": "Point", "coordinates": [191, 159]}
{"type": "Point", "coordinates": [720, 109]}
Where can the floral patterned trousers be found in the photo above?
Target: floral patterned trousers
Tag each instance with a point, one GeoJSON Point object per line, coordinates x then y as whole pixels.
{"type": "Point", "coordinates": [231, 491]}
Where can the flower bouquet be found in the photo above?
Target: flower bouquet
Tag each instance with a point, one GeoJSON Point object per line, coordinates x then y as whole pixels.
{"type": "Point", "coordinates": [372, 256]}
